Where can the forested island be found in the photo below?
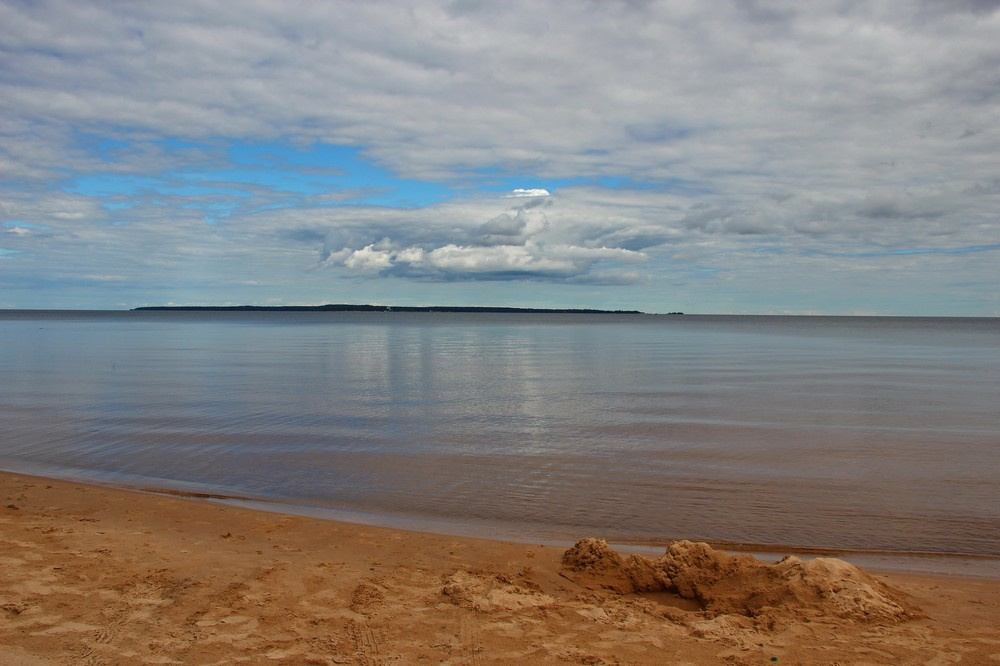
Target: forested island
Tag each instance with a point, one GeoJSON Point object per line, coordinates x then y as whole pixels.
{"type": "Point", "coordinates": [345, 307]}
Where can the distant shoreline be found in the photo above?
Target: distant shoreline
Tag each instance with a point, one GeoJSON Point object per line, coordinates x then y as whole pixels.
{"type": "Point", "coordinates": [345, 307]}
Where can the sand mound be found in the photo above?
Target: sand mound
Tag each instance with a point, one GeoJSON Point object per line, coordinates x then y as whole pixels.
{"type": "Point", "coordinates": [491, 592]}
{"type": "Point", "coordinates": [594, 564]}
{"type": "Point", "coordinates": [724, 584]}
{"type": "Point", "coordinates": [367, 597]}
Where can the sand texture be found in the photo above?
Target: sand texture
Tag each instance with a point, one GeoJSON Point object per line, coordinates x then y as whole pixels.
{"type": "Point", "coordinates": [92, 575]}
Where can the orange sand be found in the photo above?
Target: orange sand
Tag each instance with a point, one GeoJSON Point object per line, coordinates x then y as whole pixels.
{"type": "Point", "coordinates": [92, 575]}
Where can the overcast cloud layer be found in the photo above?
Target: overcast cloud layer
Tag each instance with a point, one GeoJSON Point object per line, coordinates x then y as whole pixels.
{"type": "Point", "coordinates": [832, 157]}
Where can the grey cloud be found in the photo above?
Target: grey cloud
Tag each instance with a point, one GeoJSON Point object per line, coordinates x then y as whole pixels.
{"type": "Point", "coordinates": [712, 220]}
{"type": "Point", "coordinates": [507, 229]}
{"type": "Point", "coordinates": [978, 7]}
{"type": "Point", "coordinates": [502, 262]}
{"type": "Point", "coordinates": [637, 239]}
{"type": "Point", "coordinates": [340, 72]}
{"type": "Point", "coordinates": [306, 235]}
{"type": "Point", "coordinates": [655, 131]}
{"type": "Point", "coordinates": [888, 207]}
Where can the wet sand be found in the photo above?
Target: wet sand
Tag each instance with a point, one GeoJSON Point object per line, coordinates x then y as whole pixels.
{"type": "Point", "coordinates": [96, 575]}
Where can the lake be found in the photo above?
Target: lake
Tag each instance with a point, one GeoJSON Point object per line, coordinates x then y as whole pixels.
{"type": "Point", "coordinates": [873, 435]}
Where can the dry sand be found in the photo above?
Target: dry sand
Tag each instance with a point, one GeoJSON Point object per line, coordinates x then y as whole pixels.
{"type": "Point", "coordinates": [93, 575]}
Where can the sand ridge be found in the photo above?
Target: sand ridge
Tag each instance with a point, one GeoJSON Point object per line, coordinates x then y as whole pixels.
{"type": "Point", "coordinates": [724, 584]}
{"type": "Point", "coordinates": [91, 575]}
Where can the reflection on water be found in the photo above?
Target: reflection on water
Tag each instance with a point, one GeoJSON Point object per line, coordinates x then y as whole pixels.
{"type": "Point", "coordinates": [867, 434]}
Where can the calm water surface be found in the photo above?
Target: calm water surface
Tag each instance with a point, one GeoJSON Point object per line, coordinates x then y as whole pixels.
{"type": "Point", "coordinates": [867, 434]}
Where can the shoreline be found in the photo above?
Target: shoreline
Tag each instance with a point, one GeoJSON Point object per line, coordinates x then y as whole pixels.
{"type": "Point", "coordinates": [964, 565]}
{"type": "Point", "coordinates": [942, 563]}
{"type": "Point", "coordinates": [103, 575]}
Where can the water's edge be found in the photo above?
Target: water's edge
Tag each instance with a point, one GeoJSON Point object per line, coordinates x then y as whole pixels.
{"type": "Point", "coordinates": [943, 564]}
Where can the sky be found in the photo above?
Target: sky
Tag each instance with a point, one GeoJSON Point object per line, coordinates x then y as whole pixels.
{"type": "Point", "coordinates": [824, 157]}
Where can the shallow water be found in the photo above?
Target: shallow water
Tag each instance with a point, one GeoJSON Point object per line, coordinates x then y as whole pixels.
{"type": "Point", "coordinates": [863, 434]}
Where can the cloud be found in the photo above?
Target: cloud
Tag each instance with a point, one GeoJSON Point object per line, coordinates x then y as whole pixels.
{"type": "Point", "coordinates": [519, 244]}
{"type": "Point", "coordinates": [522, 192]}
{"type": "Point", "coordinates": [657, 87]}
{"type": "Point", "coordinates": [516, 229]}
{"type": "Point", "coordinates": [640, 143]}
{"type": "Point", "coordinates": [500, 262]}
{"type": "Point", "coordinates": [368, 258]}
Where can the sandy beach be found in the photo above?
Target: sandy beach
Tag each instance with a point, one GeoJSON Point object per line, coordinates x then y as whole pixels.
{"type": "Point", "coordinates": [97, 575]}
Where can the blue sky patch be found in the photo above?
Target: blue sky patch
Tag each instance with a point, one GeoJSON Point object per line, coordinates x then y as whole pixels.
{"type": "Point", "coordinates": [267, 171]}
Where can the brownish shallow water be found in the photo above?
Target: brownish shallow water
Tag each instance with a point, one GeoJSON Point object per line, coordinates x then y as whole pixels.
{"type": "Point", "coordinates": [862, 434]}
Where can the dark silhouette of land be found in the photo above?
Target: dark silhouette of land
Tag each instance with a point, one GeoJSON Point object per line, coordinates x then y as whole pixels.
{"type": "Point", "coordinates": [345, 307]}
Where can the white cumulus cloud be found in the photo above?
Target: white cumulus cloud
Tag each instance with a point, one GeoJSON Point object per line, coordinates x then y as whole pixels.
{"type": "Point", "coordinates": [368, 258]}
{"type": "Point", "coordinates": [521, 193]}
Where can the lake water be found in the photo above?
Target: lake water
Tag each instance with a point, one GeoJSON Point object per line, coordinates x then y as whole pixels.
{"type": "Point", "coordinates": [876, 435]}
